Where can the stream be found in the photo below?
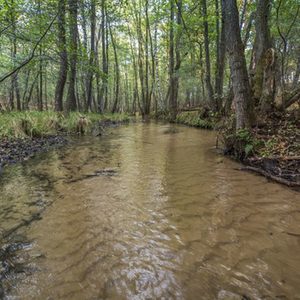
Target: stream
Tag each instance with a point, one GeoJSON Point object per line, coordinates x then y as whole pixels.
{"type": "Point", "coordinates": [145, 212]}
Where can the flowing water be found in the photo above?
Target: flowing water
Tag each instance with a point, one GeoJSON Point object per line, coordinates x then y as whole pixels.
{"type": "Point", "coordinates": [142, 213]}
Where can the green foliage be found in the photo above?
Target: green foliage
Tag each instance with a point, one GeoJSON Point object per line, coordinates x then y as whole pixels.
{"type": "Point", "coordinates": [242, 144]}
{"type": "Point", "coordinates": [268, 147]}
{"type": "Point", "coordinates": [193, 119]}
{"type": "Point", "coordinates": [245, 140]}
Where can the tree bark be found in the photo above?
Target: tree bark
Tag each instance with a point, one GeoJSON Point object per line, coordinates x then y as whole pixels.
{"type": "Point", "coordinates": [264, 70]}
{"type": "Point", "coordinates": [174, 58]}
{"type": "Point", "coordinates": [71, 96]}
{"type": "Point", "coordinates": [220, 62]}
{"type": "Point", "coordinates": [238, 68]}
{"type": "Point", "coordinates": [102, 102]}
{"type": "Point", "coordinates": [117, 73]}
{"type": "Point", "coordinates": [92, 56]}
{"type": "Point", "coordinates": [297, 73]}
{"type": "Point", "coordinates": [40, 95]}
{"type": "Point", "coordinates": [15, 81]}
{"type": "Point", "coordinates": [63, 67]}
{"type": "Point", "coordinates": [210, 92]}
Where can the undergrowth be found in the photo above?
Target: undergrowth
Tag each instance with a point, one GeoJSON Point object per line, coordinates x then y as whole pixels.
{"type": "Point", "coordinates": [39, 124]}
{"type": "Point", "coordinates": [194, 119]}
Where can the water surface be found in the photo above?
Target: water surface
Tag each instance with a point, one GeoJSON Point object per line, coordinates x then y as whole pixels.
{"type": "Point", "coordinates": [145, 214]}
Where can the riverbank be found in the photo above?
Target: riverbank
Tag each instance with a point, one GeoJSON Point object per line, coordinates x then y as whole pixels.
{"type": "Point", "coordinates": [271, 148]}
{"type": "Point", "coordinates": [24, 134]}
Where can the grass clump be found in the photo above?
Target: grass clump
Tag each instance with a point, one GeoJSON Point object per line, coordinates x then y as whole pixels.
{"type": "Point", "coordinates": [32, 124]}
{"type": "Point", "coordinates": [194, 119]}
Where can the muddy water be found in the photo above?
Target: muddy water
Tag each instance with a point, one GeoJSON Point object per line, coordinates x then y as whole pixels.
{"type": "Point", "coordinates": [145, 214]}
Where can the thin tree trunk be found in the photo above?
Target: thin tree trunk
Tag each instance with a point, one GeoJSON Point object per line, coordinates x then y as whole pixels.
{"type": "Point", "coordinates": [173, 86]}
{"type": "Point", "coordinates": [210, 92]}
{"type": "Point", "coordinates": [297, 74]}
{"type": "Point", "coordinates": [220, 62]}
{"type": "Point", "coordinates": [117, 73]}
{"type": "Point", "coordinates": [92, 55]}
{"type": "Point", "coordinates": [31, 91]}
{"type": "Point", "coordinates": [104, 40]}
{"type": "Point", "coordinates": [202, 73]}
{"type": "Point", "coordinates": [40, 94]}
{"type": "Point", "coordinates": [15, 82]}
{"type": "Point", "coordinates": [71, 97]}
{"type": "Point", "coordinates": [25, 89]}
{"type": "Point", "coordinates": [63, 67]}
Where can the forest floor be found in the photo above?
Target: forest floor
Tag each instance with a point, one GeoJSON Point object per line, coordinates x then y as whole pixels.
{"type": "Point", "coordinates": [24, 134]}
{"type": "Point", "coordinates": [271, 148]}
{"type": "Point", "coordinates": [276, 149]}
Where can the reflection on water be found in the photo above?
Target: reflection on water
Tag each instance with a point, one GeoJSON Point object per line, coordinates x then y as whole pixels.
{"type": "Point", "coordinates": [172, 221]}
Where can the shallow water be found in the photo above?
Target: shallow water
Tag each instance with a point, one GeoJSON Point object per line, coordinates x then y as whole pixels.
{"type": "Point", "coordinates": [168, 218]}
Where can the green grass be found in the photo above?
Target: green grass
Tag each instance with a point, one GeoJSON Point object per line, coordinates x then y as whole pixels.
{"type": "Point", "coordinates": [193, 119]}
{"type": "Point", "coordinates": [37, 124]}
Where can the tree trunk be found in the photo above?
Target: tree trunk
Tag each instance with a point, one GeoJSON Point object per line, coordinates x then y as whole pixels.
{"type": "Point", "coordinates": [117, 74]}
{"type": "Point", "coordinates": [220, 62]}
{"type": "Point", "coordinates": [25, 89]}
{"type": "Point", "coordinates": [63, 67]}
{"type": "Point", "coordinates": [15, 82]}
{"type": "Point", "coordinates": [174, 59]}
{"type": "Point", "coordinates": [71, 97]}
{"type": "Point", "coordinates": [92, 56]}
{"type": "Point", "coordinates": [262, 71]}
{"type": "Point", "coordinates": [102, 103]}
{"type": "Point", "coordinates": [210, 92]}
{"type": "Point", "coordinates": [237, 62]}
{"type": "Point", "coordinates": [297, 74]}
{"type": "Point", "coordinates": [202, 73]}
{"type": "Point", "coordinates": [40, 95]}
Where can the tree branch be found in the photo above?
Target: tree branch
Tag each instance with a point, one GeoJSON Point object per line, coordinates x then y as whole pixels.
{"type": "Point", "coordinates": [25, 62]}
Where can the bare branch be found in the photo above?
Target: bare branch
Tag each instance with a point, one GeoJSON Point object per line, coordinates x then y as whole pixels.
{"type": "Point", "coordinates": [25, 62]}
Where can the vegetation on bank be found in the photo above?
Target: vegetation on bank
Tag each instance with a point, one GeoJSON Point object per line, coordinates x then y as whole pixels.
{"type": "Point", "coordinates": [31, 124]}
{"type": "Point", "coordinates": [195, 119]}
{"type": "Point", "coordinates": [270, 148]}
{"type": "Point", "coordinates": [276, 136]}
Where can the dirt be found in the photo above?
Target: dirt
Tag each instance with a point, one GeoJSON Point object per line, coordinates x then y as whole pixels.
{"type": "Point", "coordinates": [277, 153]}
{"type": "Point", "coordinates": [17, 150]}
{"type": "Point", "coordinates": [21, 149]}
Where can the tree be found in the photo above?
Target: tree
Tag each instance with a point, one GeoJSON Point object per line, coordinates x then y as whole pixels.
{"type": "Point", "coordinates": [210, 92]}
{"type": "Point", "coordinates": [92, 55]}
{"type": "Point", "coordinates": [237, 62]}
{"type": "Point", "coordinates": [220, 55]}
{"type": "Point", "coordinates": [174, 57]}
{"type": "Point", "coordinates": [63, 69]}
{"type": "Point", "coordinates": [264, 79]}
{"type": "Point", "coordinates": [71, 96]}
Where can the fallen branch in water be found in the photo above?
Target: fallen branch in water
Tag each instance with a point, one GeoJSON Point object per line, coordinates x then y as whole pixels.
{"type": "Point", "coordinates": [270, 176]}
{"type": "Point", "coordinates": [254, 159]}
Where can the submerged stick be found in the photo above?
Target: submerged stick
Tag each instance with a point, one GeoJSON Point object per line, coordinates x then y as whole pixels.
{"type": "Point", "coordinates": [270, 176]}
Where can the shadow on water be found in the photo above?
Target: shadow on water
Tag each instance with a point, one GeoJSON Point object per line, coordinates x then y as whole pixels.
{"type": "Point", "coordinates": [24, 198]}
{"type": "Point", "coordinates": [149, 212]}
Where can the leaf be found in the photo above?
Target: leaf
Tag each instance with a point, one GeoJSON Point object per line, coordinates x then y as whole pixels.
{"type": "Point", "coordinates": [248, 149]}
